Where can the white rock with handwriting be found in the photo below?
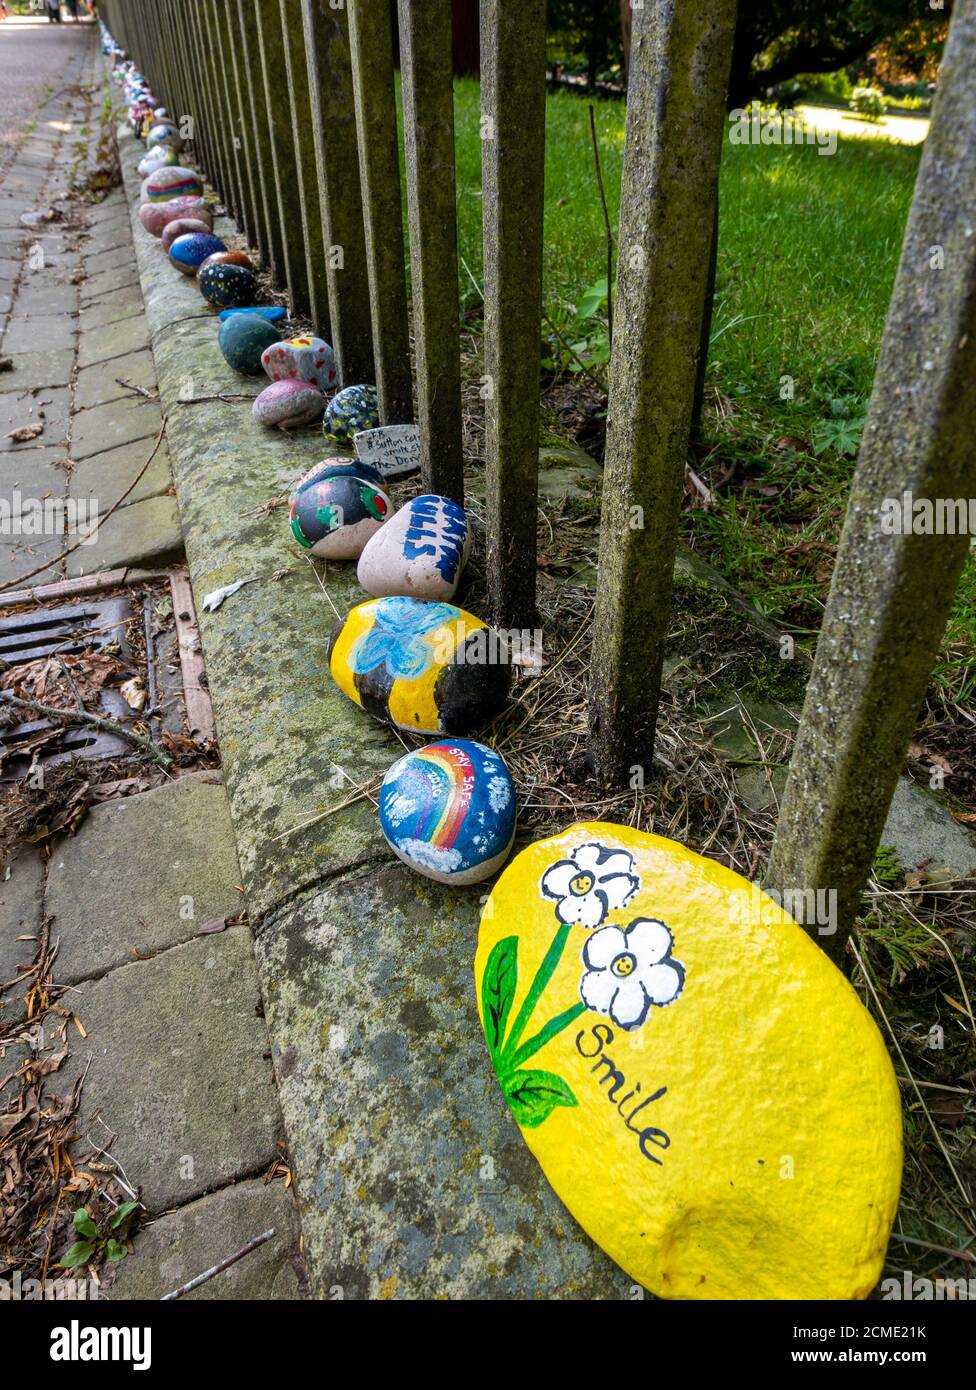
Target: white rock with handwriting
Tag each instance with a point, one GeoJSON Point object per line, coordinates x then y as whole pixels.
{"type": "Point", "coordinates": [419, 553]}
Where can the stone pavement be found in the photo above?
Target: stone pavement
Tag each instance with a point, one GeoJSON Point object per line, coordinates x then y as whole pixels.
{"type": "Point", "coordinates": [176, 1059]}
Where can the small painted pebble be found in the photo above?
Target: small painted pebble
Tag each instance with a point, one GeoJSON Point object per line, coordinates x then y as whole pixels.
{"type": "Point", "coordinates": [421, 552]}
{"type": "Point", "coordinates": [272, 312]}
{"type": "Point", "coordinates": [172, 181]}
{"type": "Point", "coordinates": [428, 667]}
{"type": "Point", "coordinates": [302, 359]}
{"type": "Point", "coordinates": [182, 226]}
{"type": "Point", "coordinates": [155, 216]}
{"type": "Point", "coordinates": [242, 340]}
{"type": "Point", "coordinates": [288, 404]}
{"type": "Point", "coordinates": [229, 258]}
{"type": "Point", "coordinates": [334, 512]}
{"type": "Point", "coordinates": [188, 252]}
{"type": "Point", "coordinates": [165, 133]}
{"type": "Point", "coordinates": [159, 157]}
{"type": "Point", "coordinates": [352, 409]}
{"type": "Point", "coordinates": [225, 285]}
{"type": "Point", "coordinates": [394, 449]}
{"type": "Point", "coordinates": [448, 811]}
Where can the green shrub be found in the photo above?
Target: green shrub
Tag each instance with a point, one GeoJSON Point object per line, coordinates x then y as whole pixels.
{"type": "Point", "coordinates": [868, 103]}
{"type": "Point", "coordinates": [831, 87]}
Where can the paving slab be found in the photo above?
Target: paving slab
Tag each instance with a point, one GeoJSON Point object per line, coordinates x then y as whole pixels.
{"type": "Point", "coordinates": [35, 473]}
{"type": "Point", "coordinates": [179, 1069]}
{"type": "Point", "coordinates": [112, 341]}
{"type": "Point", "coordinates": [41, 334]}
{"type": "Point", "coordinates": [35, 299]}
{"type": "Point", "coordinates": [146, 534]}
{"type": "Point", "coordinates": [105, 282]}
{"type": "Point", "coordinates": [98, 384]}
{"type": "Point", "coordinates": [113, 258]}
{"type": "Point", "coordinates": [21, 912]}
{"type": "Point", "coordinates": [108, 475]}
{"type": "Point", "coordinates": [108, 235]}
{"type": "Point", "coordinates": [142, 873]}
{"type": "Point", "coordinates": [49, 407]}
{"type": "Point", "coordinates": [111, 308]}
{"type": "Point", "coordinates": [182, 1244]}
{"type": "Point", "coordinates": [18, 556]}
{"type": "Point", "coordinates": [39, 368]}
{"type": "Point", "coordinates": [108, 426]}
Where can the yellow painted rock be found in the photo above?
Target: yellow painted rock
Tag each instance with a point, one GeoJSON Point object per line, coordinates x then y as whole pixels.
{"type": "Point", "coordinates": [700, 1084]}
{"type": "Point", "coordinates": [428, 667]}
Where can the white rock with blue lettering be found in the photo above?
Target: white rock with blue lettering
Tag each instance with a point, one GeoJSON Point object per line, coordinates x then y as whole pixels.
{"type": "Point", "coordinates": [419, 553]}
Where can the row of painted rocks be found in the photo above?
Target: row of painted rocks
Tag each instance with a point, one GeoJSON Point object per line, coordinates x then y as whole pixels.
{"type": "Point", "coordinates": [716, 1094]}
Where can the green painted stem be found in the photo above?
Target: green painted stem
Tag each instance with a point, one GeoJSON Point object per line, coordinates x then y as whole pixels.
{"type": "Point", "coordinates": [542, 977]}
{"type": "Point", "coordinates": [539, 1040]}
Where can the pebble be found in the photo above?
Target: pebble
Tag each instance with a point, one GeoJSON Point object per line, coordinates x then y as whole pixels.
{"type": "Point", "coordinates": [155, 216]}
{"type": "Point", "coordinates": [272, 312]}
{"type": "Point", "coordinates": [430, 668]}
{"type": "Point", "coordinates": [448, 811]}
{"type": "Point", "coordinates": [421, 552]}
{"type": "Point", "coordinates": [182, 226]}
{"type": "Point", "coordinates": [229, 258]}
{"type": "Point", "coordinates": [242, 340]}
{"type": "Point", "coordinates": [350, 410]}
{"type": "Point", "coordinates": [170, 182]}
{"type": "Point", "coordinates": [302, 359]}
{"type": "Point", "coordinates": [734, 1100]}
{"type": "Point", "coordinates": [334, 511]}
{"type": "Point", "coordinates": [225, 285]}
{"type": "Point", "coordinates": [157, 158]}
{"type": "Point", "coordinates": [188, 252]}
{"type": "Point", "coordinates": [288, 404]}
{"type": "Point", "coordinates": [165, 133]}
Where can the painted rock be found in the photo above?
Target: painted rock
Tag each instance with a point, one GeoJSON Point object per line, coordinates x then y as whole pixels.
{"type": "Point", "coordinates": [334, 512]}
{"type": "Point", "coordinates": [188, 252]}
{"type": "Point", "coordinates": [164, 133]}
{"type": "Point", "coordinates": [427, 667]}
{"type": "Point", "coordinates": [182, 226]}
{"type": "Point", "coordinates": [157, 158]}
{"type": "Point", "coordinates": [355, 408]}
{"type": "Point", "coordinates": [288, 404]}
{"type": "Point", "coordinates": [448, 811]}
{"type": "Point", "coordinates": [272, 312]}
{"type": "Point", "coordinates": [242, 340]}
{"type": "Point", "coordinates": [160, 113]}
{"type": "Point", "coordinates": [421, 552]}
{"type": "Point", "coordinates": [155, 216]}
{"type": "Point", "coordinates": [171, 182]}
{"type": "Point", "coordinates": [302, 359]}
{"type": "Point", "coordinates": [735, 1103]}
{"type": "Point", "coordinates": [394, 449]}
{"type": "Point", "coordinates": [225, 285]}
{"type": "Point", "coordinates": [229, 258]}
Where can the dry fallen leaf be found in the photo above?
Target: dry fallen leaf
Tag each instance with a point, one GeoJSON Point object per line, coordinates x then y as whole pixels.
{"type": "Point", "coordinates": [134, 693]}
{"type": "Point", "coordinates": [25, 433]}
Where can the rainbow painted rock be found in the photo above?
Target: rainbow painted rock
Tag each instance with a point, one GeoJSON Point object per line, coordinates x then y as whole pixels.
{"type": "Point", "coordinates": [182, 226]}
{"type": "Point", "coordinates": [188, 252]}
{"type": "Point", "coordinates": [242, 340]}
{"type": "Point", "coordinates": [421, 552]}
{"type": "Point", "coordinates": [164, 133]}
{"type": "Point", "coordinates": [427, 667]}
{"type": "Point", "coordinates": [702, 1087]}
{"type": "Point", "coordinates": [159, 157]}
{"type": "Point", "coordinates": [225, 285]}
{"type": "Point", "coordinates": [448, 811]}
{"type": "Point", "coordinates": [155, 217]}
{"type": "Point", "coordinates": [272, 312]}
{"type": "Point", "coordinates": [335, 510]}
{"type": "Point", "coordinates": [302, 359]}
{"type": "Point", "coordinates": [172, 181]}
{"type": "Point", "coordinates": [288, 405]}
{"type": "Point", "coordinates": [350, 410]}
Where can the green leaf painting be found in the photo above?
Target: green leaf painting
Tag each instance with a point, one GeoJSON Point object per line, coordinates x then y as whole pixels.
{"type": "Point", "coordinates": [533, 1095]}
{"type": "Point", "coordinates": [498, 991]}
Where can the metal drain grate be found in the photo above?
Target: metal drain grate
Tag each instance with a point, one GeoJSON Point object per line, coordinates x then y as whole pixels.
{"type": "Point", "coordinates": [65, 631]}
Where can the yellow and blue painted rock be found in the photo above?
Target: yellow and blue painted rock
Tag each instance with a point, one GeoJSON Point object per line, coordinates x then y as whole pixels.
{"type": "Point", "coordinates": [700, 1084]}
{"type": "Point", "coordinates": [448, 811]}
{"type": "Point", "coordinates": [428, 667]}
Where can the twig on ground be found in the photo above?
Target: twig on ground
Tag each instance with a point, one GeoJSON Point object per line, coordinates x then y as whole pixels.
{"type": "Point", "coordinates": [147, 745]}
{"type": "Point", "coordinates": [195, 1283]}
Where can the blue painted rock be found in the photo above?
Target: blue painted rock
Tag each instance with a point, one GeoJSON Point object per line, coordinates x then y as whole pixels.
{"type": "Point", "coordinates": [421, 552]}
{"type": "Point", "coordinates": [157, 158]}
{"type": "Point", "coordinates": [242, 340]}
{"type": "Point", "coordinates": [225, 285]}
{"type": "Point", "coordinates": [334, 512]}
{"type": "Point", "coordinates": [355, 408]}
{"type": "Point", "coordinates": [302, 359]}
{"type": "Point", "coordinates": [165, 133]}
{"type": "Point", "coordinates": [182, 226]}
{"type": "Point", "coordinates": [448, 811]}
{"type": "Point", "coordinates": [428, 667]}
{"type": "Point", "coordinates": [172, 181]}
{"type": "Point", "coordinates": [272, 312]}
{"type": "Point", "coordinates": [188, 252]}
{"type": "Point", "coordinates": [288, 404]}
{"type": "Point", "coordinates": [155, 216]}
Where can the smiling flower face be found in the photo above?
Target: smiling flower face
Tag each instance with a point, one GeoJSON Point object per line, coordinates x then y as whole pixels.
{"type": "Point", "coordinates": [593, 881]}
{"type": "Point", "coordinates": [629, 970]}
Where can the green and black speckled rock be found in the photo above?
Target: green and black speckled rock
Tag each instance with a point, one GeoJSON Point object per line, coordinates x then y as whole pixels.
{"type": "Point", "coordinates": [354, 409]}
{"type": "Point", "coordinates": [243, 338]}
{"type": "Point", "coordinates": [227, 285]}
